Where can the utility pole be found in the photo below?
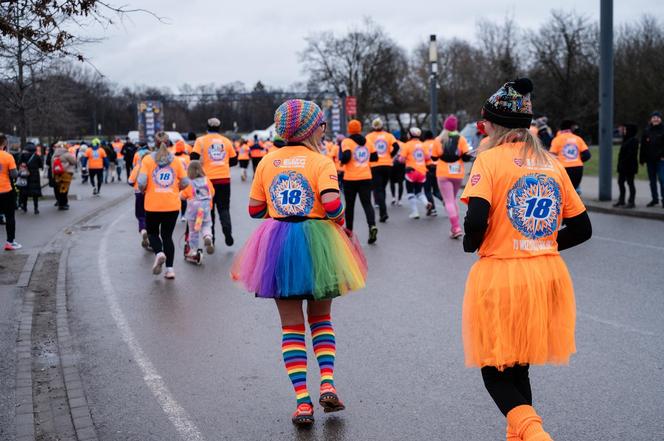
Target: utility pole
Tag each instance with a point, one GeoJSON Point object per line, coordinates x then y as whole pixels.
{"type": "Point", "coordinates": [433, 82]}
{"type": "Point", "coordinates": [606, 100]}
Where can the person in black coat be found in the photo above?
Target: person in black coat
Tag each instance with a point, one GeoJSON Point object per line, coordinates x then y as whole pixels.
{"type": "Point", "coordinates": [628, 164]}
{"type": "Point", "coordinates": [652, 155]}
{"type": "Point", "coordinates": [33, 164]}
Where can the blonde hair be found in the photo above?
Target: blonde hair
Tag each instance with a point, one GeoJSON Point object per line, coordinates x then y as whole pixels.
{"type": "Point", "coordinates": [161, 142]}
{"type": "Point", "coordinates": [311, 144]}
{"type": "Point", "coordinates": [195, 169]}
{"type": "Point", "coordinates": [532, 146]}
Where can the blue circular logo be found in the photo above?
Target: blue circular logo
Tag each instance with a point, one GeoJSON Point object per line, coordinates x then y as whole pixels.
{"type": "Point", "coordinates": [571, 151]}
{"type": "Point", "coordinates": [163, 177]}
{"type": "Point", "coordinates": [418, 154]}
{"type": "Point", "coordinates": [291, 194]}
{"type": "Point", "coordinates": [381, 146]}
{"type": "Point", "coordinates": [533, 205]}
{"type": "Point", "coordinates": [361, 154]}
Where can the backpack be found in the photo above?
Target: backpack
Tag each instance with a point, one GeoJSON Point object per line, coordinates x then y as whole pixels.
{"type": "Point", "coordinates": [57, 169]}
{"type": "Point", "coordinates": [451, 149]}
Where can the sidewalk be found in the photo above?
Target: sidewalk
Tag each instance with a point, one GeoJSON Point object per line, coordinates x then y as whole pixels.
{"type": "Point", "coordinates": [590, 196]}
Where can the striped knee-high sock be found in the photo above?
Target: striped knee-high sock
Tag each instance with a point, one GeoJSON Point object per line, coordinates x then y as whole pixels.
{"type": "Point", "coordinates": [294, 350]}
{"type": "Point", "coordinates": [322, 335]}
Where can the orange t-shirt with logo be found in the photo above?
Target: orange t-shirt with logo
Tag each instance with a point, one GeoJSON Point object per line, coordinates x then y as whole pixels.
{"type": "Point", "coordinates": [568, 147]}
{"type": "Point", "coordinates": [451, 170]}
{"type": "Point", "coordinates": [243, 152]}
{"type": "Point", "coordinates": [117, 146]}
{"type": "Point", "coordinates": [95, 158]}
{"type": "Point", "coordinates": [528, 202]}
{"type": "Point", "coordinates": [382, 142]}
{"type": "Point", "coordinates": [291, 180]}
{"type": "Point", "coordinates": [257, 153]}
{"type": "Point", "coordinates": [357, 169]}
{"type": "Point", "coordinates": [7, 163]}
{"type": "Point", "coordinates": [162, 192]}
{"type": "Point", "coordinates": [215, 151]}
{"type": "Point", "coordinates": [415, 155]}
{"type": "Point", "coordinates": [429, 147]}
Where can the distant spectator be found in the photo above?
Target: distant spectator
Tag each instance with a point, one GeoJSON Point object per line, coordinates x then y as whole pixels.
{"type": "Point", "coordinates": [8, 175]}
{"type": "Point", "coordinates": [29, 165]}
{"type": "Point", "coordinates": [128, 151]}
{"type": "Point", "coordinates": [628, 164]}
{"type": "Point", "coordinates": [652, 155]}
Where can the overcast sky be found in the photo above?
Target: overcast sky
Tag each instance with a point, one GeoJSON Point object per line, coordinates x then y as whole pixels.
{"type": "Point", "coordinates": [221, 41]}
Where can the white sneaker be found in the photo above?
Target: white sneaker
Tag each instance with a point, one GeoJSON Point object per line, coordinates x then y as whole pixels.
{"type": "Point", "coordinates": [11, 246]}
{"type": "Point", "coordinates": [414, 215]}
{"type": "Point", "coordinates": [170, 273]}
{"type": "Point", "coordinates": [144, 239]}
{"type": "Point", "coordinates": [399, 203]}
{"type": "Point", "coordinates": [159, 261]}
{"type": "Point", "coordinates": [209, 245]}
{"type": "Point", "coordinates": [183, 219]}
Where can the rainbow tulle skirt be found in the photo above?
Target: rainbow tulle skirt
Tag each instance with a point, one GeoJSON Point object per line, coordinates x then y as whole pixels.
{"type": "Point", "coordinates": [312, 259]}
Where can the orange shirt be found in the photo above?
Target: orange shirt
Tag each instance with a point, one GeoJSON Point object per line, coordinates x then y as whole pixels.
{"type": "Point", "coordinates": [117, 146]}
{"type": "Point", "coordinates": [95, 158]}
{"type": "Point", "coordinates": [215, 151]}
{"type": "Point", "coordinates": [415, 155]}
{"type": "Point", "coordinates": [528, 202]}
{"type": "Point", "coordinates": [357, 169]}
{"type": "Point", "coordinates": [7, 163]}
{"type": "Point", "coordinates": [382, 142]}
{"type": "Point", "coordinates": [291, 180]}
{"type": "Point", "coordinates": [269, 146]}
{"type": "Point", "coordinates": [568, 147]}
{"type": "Point", "coordinates": [429, 147]}
{"type": "Point", "coordinates": [451, 170]}
{"type": "Point", "coordinates": [243, 152]}
{"type": "Point", "coordinates": [332, 152]}
{"type": "Point", "coordinates": [184, 159]}
{"type": "Point", "coordinates": [257, 153]}
{"type": "Point", "coordinates": [162, 192]}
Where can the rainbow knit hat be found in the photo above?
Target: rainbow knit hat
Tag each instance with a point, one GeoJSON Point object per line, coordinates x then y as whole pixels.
{"type": "Point", "coordinates": [296, 120]}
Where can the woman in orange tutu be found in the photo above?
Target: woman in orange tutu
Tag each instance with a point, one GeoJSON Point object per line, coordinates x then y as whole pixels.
{"type": "Point", "coordinates": [519, 305]}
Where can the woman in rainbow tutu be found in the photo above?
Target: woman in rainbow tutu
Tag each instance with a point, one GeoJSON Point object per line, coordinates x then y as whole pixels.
{"type": "Point", "coordinates": [301, 252]}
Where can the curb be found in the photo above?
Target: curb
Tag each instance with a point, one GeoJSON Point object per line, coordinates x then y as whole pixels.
{"type": "Point", "coordinates": [24, 415]}
{"type": "Point", "coordinates": [78, 403]}
{"type": "Point", "coordinates": [593, 206]}
{"type": "Point", "coordinates": [26, 272]}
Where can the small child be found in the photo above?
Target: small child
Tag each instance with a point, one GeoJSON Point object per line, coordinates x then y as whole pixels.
{"type": "Point", "coordinates": [199, 196]}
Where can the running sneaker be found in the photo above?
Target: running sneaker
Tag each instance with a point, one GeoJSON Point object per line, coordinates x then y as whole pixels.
{"type": "Point", "coordinates": [229, 240]}
{"type": "Point", "coordinates": [373, 234]}
{"type": "Point", "coordinates": [303, 415]}
{"type": "Point", "coordinates": [209, 246]}
{"type": "Point", "coordinates": [94, 191]}
{"type": "Point", "coordinates": [170, 273]}
{"type": "Point", "coordinates": [12, 246]}
{"type": "Point", "coordinates": [329, 399]}
{"type": "Point", "coordinates": [456, 234]}
{"type": "Point", "coordinates": [394, 201]}
{"type": "Point", "coordinates": [145, 242]}
{"type": "Point", "coordinates": [414, 215]}
{"type": "Point", "coordinates": [183, 219]}
{"type": "Point", "coordinates": [399, 203]}
{"type": "Point", "coordinates": [384, 219]}
{"type": "Point", "coordinates": [159, 261]}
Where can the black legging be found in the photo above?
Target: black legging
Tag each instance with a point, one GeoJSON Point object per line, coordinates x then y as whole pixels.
{"type": "Point", "coordinates": [23, 201]}
{"type": "Point", "coordinates": [575, 174]}
{"type": "Point", "coordinates": [509, 388]}
{"type": "Point", "coordinates": [160, 226]}
{"type": "Point", "coordinates": [222, 200]}
{"type": "Point", "coordinates": [380, 177]}
{"type": "Point", "coordinates": [99, 174]}
{"type": "Point", "coordinates": [351, 190]}
{"type": "Point", "coordinates": [629, 179]}
{"type": "Point", "coordinates": [431, 188]}
{"type": "Point", "coordinates": [255, 162]}
{"type": "Point", "coordinates": [7, 207]}
{"type": "Point", "coordinates": [396, 179]}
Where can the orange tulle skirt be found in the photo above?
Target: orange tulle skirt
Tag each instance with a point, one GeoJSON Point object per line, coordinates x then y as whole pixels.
{"type": "Point", "coordinates": [518, 311]}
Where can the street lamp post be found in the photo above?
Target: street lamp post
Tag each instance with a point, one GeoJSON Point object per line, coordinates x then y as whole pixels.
{"type": "Point", "coordinates": [605, 99]}
{"type": "Point", "coordinates": [433, 71]}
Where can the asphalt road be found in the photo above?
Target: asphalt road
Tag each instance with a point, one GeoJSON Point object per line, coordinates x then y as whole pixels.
{"type": "Point", "coordinates": [197, 358]}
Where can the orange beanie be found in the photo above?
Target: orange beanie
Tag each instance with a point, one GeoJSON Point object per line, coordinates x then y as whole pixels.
{"type": "Point", "coordinates": [179, 146]}
{"type": "Point", "coordinates": [354, 127]}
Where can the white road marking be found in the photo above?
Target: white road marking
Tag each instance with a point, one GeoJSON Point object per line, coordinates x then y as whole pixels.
{"type": "Point", "coordinates": [616, 324]}
{"type": "Point", "coordinates": [176, 414]}
{"type": "Point", "coordinates": [626, 242]}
